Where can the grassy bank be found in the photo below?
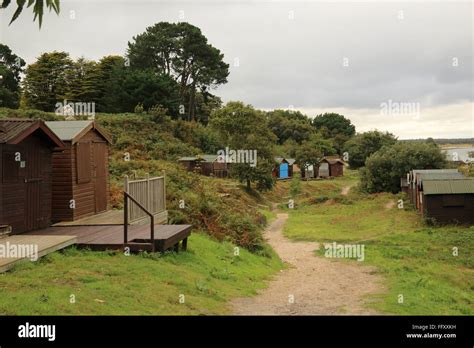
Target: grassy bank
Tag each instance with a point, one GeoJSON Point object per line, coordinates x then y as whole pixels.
{"type": "Point", "coordinates": [415, 260]}
{"type": "Point", "coordinates": [208, 276]}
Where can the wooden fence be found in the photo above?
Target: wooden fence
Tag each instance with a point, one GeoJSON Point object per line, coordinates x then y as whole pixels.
{"type": "Point", "coordinates": [149, 192]}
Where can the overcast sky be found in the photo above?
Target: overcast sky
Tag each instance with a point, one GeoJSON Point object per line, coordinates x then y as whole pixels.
{"type": "Point", "coordinates": [313, 56]}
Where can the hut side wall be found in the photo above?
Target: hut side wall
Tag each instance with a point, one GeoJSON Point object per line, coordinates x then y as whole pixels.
{"type": "Point", "coordinates": [435, 207]}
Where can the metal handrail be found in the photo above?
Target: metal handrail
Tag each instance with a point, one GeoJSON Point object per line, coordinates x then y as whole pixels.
{"type": "Point", "coordinates": [126, 197]}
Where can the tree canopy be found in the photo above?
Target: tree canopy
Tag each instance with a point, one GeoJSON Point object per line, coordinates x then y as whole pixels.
{"type": "Point", "coordinates": [46, 80]}
{"type": "Point", "coordinates": [361, 146]}
{"type": "Point", "coordinates": [11, 67]}
{"type": "Point", "coordinates": [384, 168]}
{"type": "Point", "coordinates": [288, 124]}
{"type": "Point", "coordinates": [332, 124]}
{"type": "Point", "coordinates": [182, 52]}
{"type": "Point", "coordinates": [241, 127]}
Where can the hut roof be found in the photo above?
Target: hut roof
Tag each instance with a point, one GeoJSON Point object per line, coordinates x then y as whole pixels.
{"type": "Point", "coordinates": [73, 131]}
{"type": "Point", "coordinates": [438, 176]}
{"type": "Point", "coordinates": [13, 131]}
{"type": "Point", "coordinates": [201, 158]}
{"type": "Point", "coordinates": [448, 186]}
{"type": "Point", "coordinates": [332, 160]}
{"type": "Point", "coordinates": [290, 161]}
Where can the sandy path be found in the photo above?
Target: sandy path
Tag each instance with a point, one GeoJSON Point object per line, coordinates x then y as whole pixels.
{"type": "Point", "coordinates": [345, 190]}
{"type": "Point", "coordinates": [315, 284]}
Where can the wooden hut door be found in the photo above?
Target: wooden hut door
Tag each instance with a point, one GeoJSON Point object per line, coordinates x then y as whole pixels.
{"type": "Point", "coordinates": [100, 179]}
{"type": "Point", "coordinates": [31, 159]}
{"type": "Point", "coordinates": [284, 170]}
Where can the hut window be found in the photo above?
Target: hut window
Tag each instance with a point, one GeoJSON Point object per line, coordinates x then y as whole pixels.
{"type": "Point", "coordinates": [453, 200]}
{"type": "Point", "coordinates": [83, 162]}
{"type": "Point", "coordinates": [11, 168]}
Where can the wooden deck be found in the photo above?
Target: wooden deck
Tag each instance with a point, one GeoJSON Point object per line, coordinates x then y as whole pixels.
{"type": "Point", "coordinates": [42, 245]}
{"type": "Point", "coordinates": [110, 217]}
{"type": "Point", "coordinates": [110, 237]}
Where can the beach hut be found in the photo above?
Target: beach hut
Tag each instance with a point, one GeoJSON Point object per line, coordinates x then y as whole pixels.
{"type": "Point", "coordinates": [448, 200]}
{"type": "Point", "coordinates": [331, 167]}
{"type": "Point", "coordinates": [283, 168]}
{"type": "Point", "coordinates": [81, 171]}
{"type": "Point", "coordinates": [420, 177]}
{"type": "Point", "coordinates": [209, 165]}
{"type": "Point", "coordinates": [26, 152]}
{"type": "Point", "coordinates": [412, 179]}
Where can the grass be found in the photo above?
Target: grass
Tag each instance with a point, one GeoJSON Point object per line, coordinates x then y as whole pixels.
{"type": "Point", "coordinates": [108, 283]}
{"type": "Point", "coordinates": [415, 260]}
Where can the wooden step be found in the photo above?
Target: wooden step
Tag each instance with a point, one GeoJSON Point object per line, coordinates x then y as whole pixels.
{"type": "Point", "coordinates": [5, 230]}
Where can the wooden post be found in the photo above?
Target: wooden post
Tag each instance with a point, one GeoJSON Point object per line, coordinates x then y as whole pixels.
{"type": "Point", "coordinates": [126, 188]}
{"type": "Point", "coordinates": [148, 197]}
{"type": "Point", "coordinates": [125, 218]}
{"type": "Point", "coordinates": [164, 190]}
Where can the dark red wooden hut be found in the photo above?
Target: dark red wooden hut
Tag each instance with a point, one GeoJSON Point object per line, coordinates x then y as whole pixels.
{"type": "Point", "coordinates": [80, 172]}
{"type": "Point", "coordinates": [331, 167]}
{"type": "Point", "coordinates": [26, 150]}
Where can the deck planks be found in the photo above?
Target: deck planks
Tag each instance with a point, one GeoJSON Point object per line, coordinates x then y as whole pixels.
{"type": "Point", "coordinates": [111, 236]}
{"type": "Point", "coordinates": [45, 243]}
{"type": "Point", "coordinates": [100, 237]}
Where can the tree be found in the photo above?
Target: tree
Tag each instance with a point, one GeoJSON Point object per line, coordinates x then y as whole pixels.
{"type": "Point", "coordinates": [46, 80]}
{"type": "Point", "coordinates": [332, 124]}
{"type": "Point", "coordinates": [84, 81]}
{"type": "Point", "coordinates": [308, 155]}
{"type": "Point", "coordinates": [128, 87]}
{"type": "Point", "coordinates": [38, 8]}
{"type": "Point", "coordinates": [384, 168]}
{"type": "Point", "coordinates": [182, 52]}
{"type": "Point", "coordinates": [361, 146]}
{"type": "Point", "coordinates": [11, 67]}
{"type": "Point", "coordinates": [288, 124]}
{"type": "Point", "coordinates": [241, 127]}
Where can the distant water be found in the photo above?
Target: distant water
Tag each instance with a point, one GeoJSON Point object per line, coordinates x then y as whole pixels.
{"type": "Point", "coordinates": [459, 153]}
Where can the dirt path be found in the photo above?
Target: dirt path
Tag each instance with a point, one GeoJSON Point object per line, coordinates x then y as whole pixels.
{"type": "Point", "coordinates": [315, 284]}
{"type": "Point", "coordinates": [345, 190]}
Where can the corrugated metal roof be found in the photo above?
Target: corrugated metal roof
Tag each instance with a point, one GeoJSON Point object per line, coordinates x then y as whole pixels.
{"type": "Point", "coordinates": [11, 128]}
{"type": "Point", "coordinates": [332, 159]}
{"type": "Point", "coordinates": [67, 130]}
{"type": "Point", "coordinates": [417, 171]}
{"type": "Point", "coordinates": [421, 177]}
{"type": "Point", "coordinates": [203, 158]}
{"type": "Point", "coordinates": [448, 186]}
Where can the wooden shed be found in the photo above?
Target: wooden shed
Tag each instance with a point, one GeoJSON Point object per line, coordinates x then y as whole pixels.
{"type": "Point", "coordinates": [209, 165]}
{"type": "Point", "coordinates": [331, 167]}
{"type": "Point", "coordinates": [81, 171]}
{"type": "Point", "coordinates": [420, 177]}
{"type": "Point", "coordinates": [284, 168]}
{"type": "Point", "coordinates": [412, 180]}
{"type": "Point", "coordinates": [448, 201]}
{"type": "Point", "coordinates": [26, 151]}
